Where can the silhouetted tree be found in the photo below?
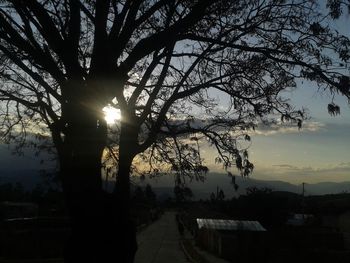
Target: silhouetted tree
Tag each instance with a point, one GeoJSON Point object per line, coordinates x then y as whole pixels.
{"type": "Point", "coordinates": [182, 194]}
{"type": "Point", "coordinates": [212, 197]}
{"type": "Point", "coordinates": [221, 195]}
{"type": "Point", "coordinates": [37, 194]}
{"type": "Point", "coordinates": [150, 194]}
{"type": "Point", "coordinates": [62, 62]}
{"type": "Point", "coordinates": [139, 195]}
{"type": "Point", "coordinates": [258, 191]}
{"type": "Point", "coordinates": [12, 192]}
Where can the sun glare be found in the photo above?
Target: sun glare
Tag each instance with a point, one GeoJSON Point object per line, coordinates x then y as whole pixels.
{"type": "Point", "coordinates": [112, 115]}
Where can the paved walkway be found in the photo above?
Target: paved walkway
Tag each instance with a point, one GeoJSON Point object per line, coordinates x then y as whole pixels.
{"type": "Point", "coordinates": [159, 242]}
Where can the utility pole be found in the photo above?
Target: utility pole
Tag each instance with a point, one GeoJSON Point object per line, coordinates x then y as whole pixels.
{"type": "Point", "coordinates": [303, 203]}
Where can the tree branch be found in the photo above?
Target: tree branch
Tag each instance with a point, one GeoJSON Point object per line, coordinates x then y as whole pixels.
{"type": "Point", "coordinates": [159, 40]}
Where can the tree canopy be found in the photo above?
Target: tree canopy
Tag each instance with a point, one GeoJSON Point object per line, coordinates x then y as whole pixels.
{"type": "Point", "coordinates": [163, 64]}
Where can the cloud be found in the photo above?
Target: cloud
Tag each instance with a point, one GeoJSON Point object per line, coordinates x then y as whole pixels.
{"type": "Point", "coordinates": [285, 166]}
{"type": "Point", "coordinates": [311, 170]}
{"type": "Point", "coordinates": [283, 128]}
{"type": "Point", "coordinates": [295, 174]}
{"type": "Point", "coordinates": [344, 165]}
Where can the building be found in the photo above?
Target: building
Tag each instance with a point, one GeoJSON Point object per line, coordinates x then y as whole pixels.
{"type": "Point", "coordinates": [234, 240]}
{"type": "Point", "coordinates": [300, 219]}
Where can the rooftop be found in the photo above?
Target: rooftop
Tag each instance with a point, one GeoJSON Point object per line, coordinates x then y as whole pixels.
{"type": "Point", "coordinates": [221, 224]}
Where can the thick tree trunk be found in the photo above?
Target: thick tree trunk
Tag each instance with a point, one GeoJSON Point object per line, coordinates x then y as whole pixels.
{"type": "Point", "coordinates": [127, 151]}
{"type": "Point", "coordinates": [101, 227]}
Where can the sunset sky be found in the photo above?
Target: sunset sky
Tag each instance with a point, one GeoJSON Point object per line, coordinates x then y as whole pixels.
{"type": "Point", "coordinates": [320, 151]}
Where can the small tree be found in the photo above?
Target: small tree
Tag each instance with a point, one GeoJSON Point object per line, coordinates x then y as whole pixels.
{"type": "Point", "coordinates": [182, 194]}
{"type": "Point", "coordinates": [138, 195]}
{"type": "Point", "coordinates": [221, 195]}
{"type": "Point", "coordinates": [255, 191]}
{"type": "Point", "coordinates": [150, 195]}
{"type": "Point", "coordinates": [212, 197]}
{"type": "Point", "coordinates": [159, 62]}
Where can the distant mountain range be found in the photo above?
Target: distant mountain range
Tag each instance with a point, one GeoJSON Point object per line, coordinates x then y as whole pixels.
{"type": "Point", "coordinates": [214, 180]}
{"type": "Point", "coordinates": [163, 186]}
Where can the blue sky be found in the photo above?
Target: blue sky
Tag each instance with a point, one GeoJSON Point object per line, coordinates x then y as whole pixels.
{"type": "Point", "coordinates": [319, 152]}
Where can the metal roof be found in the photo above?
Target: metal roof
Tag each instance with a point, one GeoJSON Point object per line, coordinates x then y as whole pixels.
{"type": "Point", "coordinates": [221, 224]}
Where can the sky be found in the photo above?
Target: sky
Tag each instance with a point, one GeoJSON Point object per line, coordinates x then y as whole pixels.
{"type": "Point", "coordinates": [319, 152]}
{"type": "Point", "coordinates": [301, 156]}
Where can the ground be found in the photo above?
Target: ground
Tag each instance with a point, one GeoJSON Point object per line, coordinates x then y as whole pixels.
{"type": "Point", "coordinates": [160, 242]}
